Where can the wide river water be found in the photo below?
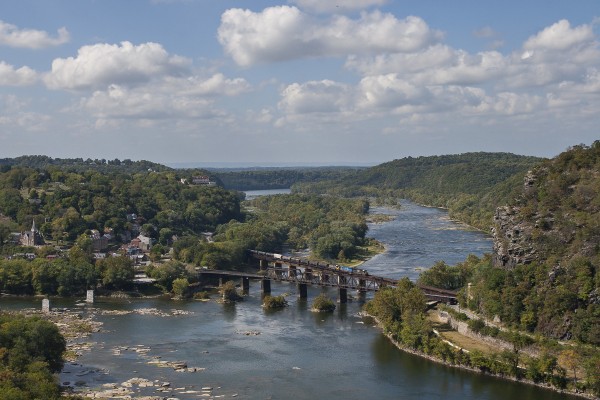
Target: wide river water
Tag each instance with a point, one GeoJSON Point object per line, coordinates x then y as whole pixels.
{"type": "Point", "coordinates": [249, 353]}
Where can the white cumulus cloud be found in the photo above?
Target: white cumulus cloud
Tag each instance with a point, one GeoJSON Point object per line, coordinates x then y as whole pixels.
{"type": "Point", "coordinates": [100, 65]}
{"type": "Point", "coordinates": [316, 97]}
{"type": "Point", "coordinates": [286, 33]}
{"type": "Point", "coordinates": [11, 35]}
{"type": "Point", "coordinates": [119, 102]}
{"type": "Point", "coordinates": [337, 6]}
{"type": "Point", "coordinates": [560, 36]}
{"type": "Point", "coordinates": [554, 75]}
{"type": "Point", "coordinates": [171, 98]}
{"type": "Point", "coordinates": [11, 76]}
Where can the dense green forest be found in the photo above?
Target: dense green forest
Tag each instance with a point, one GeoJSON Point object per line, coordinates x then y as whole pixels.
{"type": "Point", "coordinates": [81, 165]}
{"type": "Point", "coordinates": [30, 353]}
{"type": "Point", "coordinates": [68, 199]}
{"type": "Point", "coordinates": [279, 178]}
{"type": "Point", "coordinates": [332, 228]}
{"type": "Point", "coordinates": [64, 204]}
{"type": "Point", "coordinates": [469, 185]}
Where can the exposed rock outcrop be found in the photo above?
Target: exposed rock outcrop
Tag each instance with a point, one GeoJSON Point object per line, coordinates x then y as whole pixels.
{"type": "Point", "coordinates": [512, 238]}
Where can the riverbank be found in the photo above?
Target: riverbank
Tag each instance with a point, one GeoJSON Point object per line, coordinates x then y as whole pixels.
{"type": "Point", "coordinates": [437, 360]}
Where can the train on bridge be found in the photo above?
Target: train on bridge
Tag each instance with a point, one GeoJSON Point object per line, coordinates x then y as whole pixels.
{"type": "Point", "coordinates": [313, 264]}
{"type": "Point", "coordinates": [303, 272]}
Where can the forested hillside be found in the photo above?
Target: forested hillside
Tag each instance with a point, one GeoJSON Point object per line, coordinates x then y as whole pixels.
{"type": "Point", "coordinates": [81, 165]}
{"type": "Point", "coordinates": [544, 275]}
{"type": "Point", "coordinates": [470, 185]}
{"type": "Point", "coordinates": [547, 250]}
{"type": "Point", "coordinates": [65, 203]}
{"type": "Point", "coordinates": [279, 178]}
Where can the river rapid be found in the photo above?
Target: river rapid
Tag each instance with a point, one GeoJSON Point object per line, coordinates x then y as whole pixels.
{"type": "Point", "coordinates": [243, 351]}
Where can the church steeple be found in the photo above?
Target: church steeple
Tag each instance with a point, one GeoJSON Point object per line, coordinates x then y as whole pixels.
{"type": "Point", "coordinates": [33, 226]}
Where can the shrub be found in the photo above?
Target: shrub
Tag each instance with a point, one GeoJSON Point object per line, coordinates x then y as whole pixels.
{"type": "Point", "coordinates": [323, 303]}
{"type": "Point", "coordinates": [229, 292]}
{"type": "Point", "coordinates": [274, 302]}
{"type": "Point", "coordinates": [476, 325]}
{"type": "Point", "coordinates": [203, 295]}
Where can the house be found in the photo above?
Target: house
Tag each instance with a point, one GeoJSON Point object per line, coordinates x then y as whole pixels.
{"type": "Point", "coordinates": [202, 180]}
{"type": "Point", "coordinates": [32, 237]}
{"type": "Point", "coordinates": [27, 256]}
{"type": "Point", "coordinates": [135, 243]}
{"type": "Point", "coordinates": [99, 243]}
{"type": "Point", "coordinates": [145, 242]}
{"type": "Point", "coordinates": [139, 244]}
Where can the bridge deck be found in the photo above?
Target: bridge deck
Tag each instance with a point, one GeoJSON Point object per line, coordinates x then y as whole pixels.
{"type": "Point", "coordinates": [237, 274]}
{"type": "Point", "coordinates": [305, 272]}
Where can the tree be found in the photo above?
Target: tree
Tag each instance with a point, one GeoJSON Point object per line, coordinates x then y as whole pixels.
{"type": "Point", "coordinates": [117, 272]}
{"type": "Point", "coordinates": [415, 329]}
{"type": "Point", "coordinates": [166, 273]}
{"type": "Point", "coordinates": [165, 236]}
{"type": "Point", "coordinates": [180, 287]}
{"type": "Point", "coordinates": [31, 339]}
{"type": "Point", "coordinates": [571, 360]}
{"type": "Point", "coordinates": [81, 252]}
{"type": "Point", "coordinates": [30, 352]}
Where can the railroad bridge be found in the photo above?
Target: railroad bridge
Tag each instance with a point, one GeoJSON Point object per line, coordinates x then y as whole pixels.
{"type": "Point", "coordinates": [277, 267]}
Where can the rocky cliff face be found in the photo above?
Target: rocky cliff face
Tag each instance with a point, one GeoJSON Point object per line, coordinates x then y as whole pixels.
{"type": "Point", "coordinates": [512, 233]}
{"type": "Point", "coordinates": [512, 238]}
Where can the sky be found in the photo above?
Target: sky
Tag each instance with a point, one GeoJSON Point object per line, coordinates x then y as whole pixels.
{"type": "Point", "coordinates": [346, 82]}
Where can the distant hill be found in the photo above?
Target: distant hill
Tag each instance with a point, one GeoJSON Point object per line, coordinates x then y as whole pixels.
{"type": "Point", "coordinates": [81, 165]}
{"type": "Point", "coordinates": [280, 177]}
{"type": "Point", "coordinates": [470, 185]}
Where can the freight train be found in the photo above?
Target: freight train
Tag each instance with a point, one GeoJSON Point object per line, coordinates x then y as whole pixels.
{"type": "Point", "coordinates": [317, 264]}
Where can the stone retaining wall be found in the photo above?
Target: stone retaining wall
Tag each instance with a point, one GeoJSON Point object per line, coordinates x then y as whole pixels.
{"type": "Point", "coordinates": [463, 328]}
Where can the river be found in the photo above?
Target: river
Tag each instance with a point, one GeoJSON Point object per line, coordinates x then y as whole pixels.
{"type": "Point", "coordinates": [418, 237]}
{"type": "Point", "coordinates": [249, 353]}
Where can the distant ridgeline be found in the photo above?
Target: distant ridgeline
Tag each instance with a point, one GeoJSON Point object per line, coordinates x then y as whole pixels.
{"type": "Point", "coordinates": [279, 178]}
{"type": "Point", "coordinates": [470, 185]}
{"type": "Point", "coordinates": [80, 165]}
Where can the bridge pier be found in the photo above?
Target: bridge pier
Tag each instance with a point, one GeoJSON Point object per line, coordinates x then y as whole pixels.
{"type": "Point", "coordinates": [278, 269]}
{"type": "Point", "coordinates": [362, 296]}
{"type": "Point", "coordinates": [245, 285]}
{"type": "Point", "coordinates": [302, 290]}
{"type": "Point", "coordinates": [265, 285]}
{"type": "Point", "coordinates": [308, 274]}
{"type": "Point", "coordinates": [343, 295]}
{"type": "Point", "coordinates": [264, 264]}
